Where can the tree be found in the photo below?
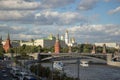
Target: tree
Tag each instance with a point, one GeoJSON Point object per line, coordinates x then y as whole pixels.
{"type": "Point", "coordinates": [32, 40]}
{"type": "Point", "coordinates": [99, 49]}
{"type": "Point", "coordinates": [64, 50]}
{"type": "Point", "coordinates": [11, 50]}
{"type": "Point", "coordinates": [1, 51]}
{"type": "Point", "coordinates": [111, 50]}
{"type": "Point", "coordinates": [39, 49]}
{"type": "Point", "coordinates": [75, 49]}
{"type": "Point", "coordinates": [80, 47]}
{"type": "Point", "coordinates": [87, 48]}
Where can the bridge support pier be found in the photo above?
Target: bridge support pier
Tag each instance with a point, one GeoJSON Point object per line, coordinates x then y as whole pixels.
{"type": "Point", "coordinates": [110, 62]}
{"type": "Point", "coordinates": [109, 58]}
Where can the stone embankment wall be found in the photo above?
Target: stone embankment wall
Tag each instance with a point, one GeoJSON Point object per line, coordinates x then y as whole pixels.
{"type": "Point", "coordinates": [112, 63]}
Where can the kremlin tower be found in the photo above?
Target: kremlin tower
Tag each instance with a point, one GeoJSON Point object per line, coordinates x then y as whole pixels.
{"type": "Point", "coordinates": [57, 45]}
{"type": "Point", "coordinates": [7, 45]}
{"type": "Point", "coordinates": [104, 49]}
{"type": "Point", "coordinates": [94, 49]}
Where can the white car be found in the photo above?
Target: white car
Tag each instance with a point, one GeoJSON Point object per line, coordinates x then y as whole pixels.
{"type": "Point", "coordinates": [58, 65]}
{"type": "Point", "coordinates": [84, 63]}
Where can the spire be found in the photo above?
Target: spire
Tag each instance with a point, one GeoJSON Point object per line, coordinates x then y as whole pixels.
{"type": "Point", "coordinates": [8, 37]}
{"type": "Point", "coordinates": [66, 31]}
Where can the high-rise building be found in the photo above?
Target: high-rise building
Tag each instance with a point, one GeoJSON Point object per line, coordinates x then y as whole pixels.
{"type": "Point", "coordinates": [7, 45]}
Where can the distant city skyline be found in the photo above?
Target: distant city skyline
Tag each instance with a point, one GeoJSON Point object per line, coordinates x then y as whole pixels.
{"type": "Point", "coordinates": [86, 20]}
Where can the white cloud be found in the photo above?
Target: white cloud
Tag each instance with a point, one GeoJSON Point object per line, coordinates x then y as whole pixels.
{"type": "Point", "coordinates": [83, 33]}
{"type": "Point", "coordinates": [116, 10]}
{"type": "Point", "coordinates": [18, 5]}
{"type": "Point", "coordinates": [12, 29]}
{"type": "Point", "coordinates": [55, 17]}
{"type": "Point", "coordinates": [24, 36]}
{"type": "Point", "coordinates": [109, 29]}
{"type": "Point", "coordinates": [96, 32]}
{"type": "Point", "coordinates": [55, 3]}
{"type": "Point", "coordinates": [46, 17]}
{"type": "Point", "coordinates": [33, 4]}
{"type": "Point", "coordinates": [16, 15]}
{"type": "Point", "coordinates": [87, 4]}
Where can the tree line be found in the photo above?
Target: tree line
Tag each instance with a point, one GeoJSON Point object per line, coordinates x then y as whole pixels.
{"type": "Point", "coordinates": [45, 72]}
{"type": "Point", "coordinates": [80, 48]}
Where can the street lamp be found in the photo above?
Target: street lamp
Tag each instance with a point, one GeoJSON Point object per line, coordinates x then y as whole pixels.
{"type": "Point", "coordinates": [78, 64]}
{"type": "Point", "coordinates": [39, 60]}
{"type": "Point", "coordinates": [52, 68]}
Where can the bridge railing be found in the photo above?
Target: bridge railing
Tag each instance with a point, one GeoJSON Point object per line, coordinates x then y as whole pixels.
{"type": "Point", "coordinates": [77, 54]}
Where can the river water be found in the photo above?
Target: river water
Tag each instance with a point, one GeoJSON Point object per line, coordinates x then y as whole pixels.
{"type": "Point", "coordinates": [93, 72]}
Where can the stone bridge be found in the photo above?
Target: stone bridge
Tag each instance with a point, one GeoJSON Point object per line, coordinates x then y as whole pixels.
{"type": "Point", "coordinates": [67, 56]}
{"type": "Point", "coordinates": [109, 57]}
{"type": "Point", "coordinates": [36, 56]}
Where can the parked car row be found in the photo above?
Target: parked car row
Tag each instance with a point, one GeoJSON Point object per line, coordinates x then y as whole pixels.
{"type": "Point", "coordinates": [19, 74]}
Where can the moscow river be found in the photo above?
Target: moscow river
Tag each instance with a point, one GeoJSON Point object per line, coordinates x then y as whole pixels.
{"type": "Point", "coordinates": [93, 72]}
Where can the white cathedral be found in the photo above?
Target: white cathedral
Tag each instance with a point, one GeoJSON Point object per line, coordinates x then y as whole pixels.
{"type": "Point", "coordinates": [70, 41]}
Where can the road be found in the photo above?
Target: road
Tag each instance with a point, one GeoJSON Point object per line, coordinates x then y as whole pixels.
{"type": "Point", "coordinates": [4, 71]}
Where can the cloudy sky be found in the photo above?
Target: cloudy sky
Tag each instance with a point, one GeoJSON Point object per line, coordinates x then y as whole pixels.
{"type": "Point", "coordinates": [86, 20]}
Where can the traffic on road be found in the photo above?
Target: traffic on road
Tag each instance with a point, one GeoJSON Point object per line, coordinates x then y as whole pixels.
{"type": "Point", "coordinates": [15, 72]}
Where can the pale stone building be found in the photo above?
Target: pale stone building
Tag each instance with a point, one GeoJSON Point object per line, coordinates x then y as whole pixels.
{"type": "Point", "coordinates": [114, 45]}
{"type": "Point", "coordinates": [44, 42]}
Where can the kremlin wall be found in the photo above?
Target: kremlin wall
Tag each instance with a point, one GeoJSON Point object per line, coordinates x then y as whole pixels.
{"type": "Point", "coordinates": [62, 41]}
{"type": "Point", "coordinates": [48, 42]}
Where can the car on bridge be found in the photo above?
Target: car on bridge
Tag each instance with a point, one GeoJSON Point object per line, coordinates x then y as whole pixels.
{"type": "Point", "coordinates": [58, 65]}
{"type": "Point", "coordinates": [84, 63]}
